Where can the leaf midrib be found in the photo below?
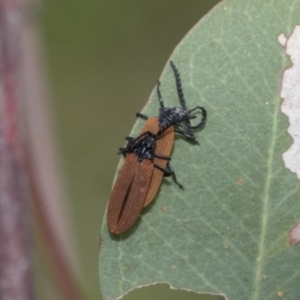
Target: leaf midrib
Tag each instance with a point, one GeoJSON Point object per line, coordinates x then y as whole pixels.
{"type": "Point", "coordinates": [265, 208]}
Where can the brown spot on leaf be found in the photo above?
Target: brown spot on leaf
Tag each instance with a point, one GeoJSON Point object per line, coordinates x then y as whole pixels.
{"type": "Point", "coordinates": [295, 234]}
{"type": "Point", "coordinates": [279, 294]}
{"type": "Point", "coordinates": [225, 245]}
{"type": "Point", "coordinates": [240, 181]}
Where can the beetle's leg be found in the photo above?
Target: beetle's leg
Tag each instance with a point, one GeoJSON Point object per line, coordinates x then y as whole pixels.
{"type": "Point", "coordinates": [187, 136]}
{"type": "Point", "coordinates": [168, 171]}
{"type": "Point", "coordinates": [186, 131]}
{"type": "Point", "coordinates": [160, 99]}
{"type": "Point", "coordinates": [122, 151]}
{"type": "Point", "coordinates": [139, 115]}
{"type": "Point", "coordinates": [161, 156]}
{"type": "Point", "coordinates": [129, 138]}
{"type": "Point", "coordinates": [125, 150]}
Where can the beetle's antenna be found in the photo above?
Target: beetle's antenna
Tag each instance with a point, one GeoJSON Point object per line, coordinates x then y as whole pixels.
{"type": "Point", "coordinates": [161, 101]}
{"type": "Point", "coordinates": [203, 120]}
{"type": "Point", "coordinates": [178, 85]}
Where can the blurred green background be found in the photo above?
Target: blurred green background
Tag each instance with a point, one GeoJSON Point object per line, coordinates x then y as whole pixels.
{"type": "Point", "coordinates": [103, 59]}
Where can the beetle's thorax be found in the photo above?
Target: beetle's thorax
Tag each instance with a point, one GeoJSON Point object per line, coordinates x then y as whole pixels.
{"type": "Point", "coordinates": [144, 146]}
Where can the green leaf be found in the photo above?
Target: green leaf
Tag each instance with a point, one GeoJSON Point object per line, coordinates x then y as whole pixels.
{"type": "Point", "coordinates": [228, 231]}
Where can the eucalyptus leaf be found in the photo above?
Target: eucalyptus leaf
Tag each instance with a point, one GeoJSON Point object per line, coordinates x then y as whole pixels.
{"type": "Point", "coordinates": [227, 233]}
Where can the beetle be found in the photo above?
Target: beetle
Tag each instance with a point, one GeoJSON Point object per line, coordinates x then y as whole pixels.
{"type": "Point", "coordinates": [147, 159]}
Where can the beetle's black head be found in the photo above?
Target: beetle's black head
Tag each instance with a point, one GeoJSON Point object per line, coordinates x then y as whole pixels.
{"type": "Point", "coordinates": [169, 116]}
{"type": "Point", "coordinates": [181, 118]}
